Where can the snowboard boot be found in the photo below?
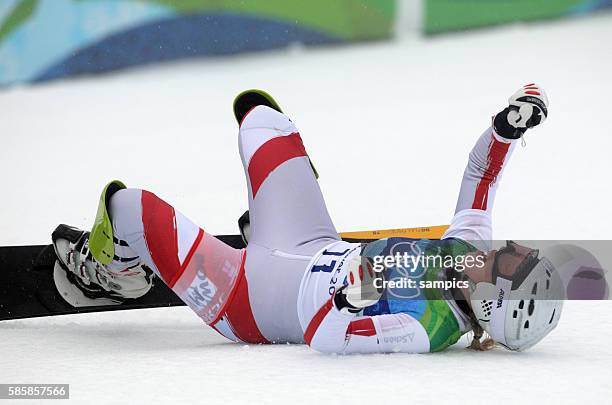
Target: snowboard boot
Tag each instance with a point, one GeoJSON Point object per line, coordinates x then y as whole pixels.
{"type": "Point", "coordinates": [248, 99]}
{"type": "Point", "coordinates": [83, 281]}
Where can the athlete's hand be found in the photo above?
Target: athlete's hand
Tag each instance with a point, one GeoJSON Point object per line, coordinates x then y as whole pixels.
{"type": "Point", "coordinates": [528, 108]}
{"type": "Point", "coordinates": [364, 284]}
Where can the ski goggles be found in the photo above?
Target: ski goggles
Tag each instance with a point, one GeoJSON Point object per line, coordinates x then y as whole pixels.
{"type": "Point", "coordinates": [514, 262]}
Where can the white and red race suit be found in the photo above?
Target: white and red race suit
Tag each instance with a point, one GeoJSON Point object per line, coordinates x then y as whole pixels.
{"type": "Point", "coordinates": [268, 292]}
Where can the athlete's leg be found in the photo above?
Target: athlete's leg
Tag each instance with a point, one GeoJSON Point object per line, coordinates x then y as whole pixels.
{"type": "Point", "coordinates": [199, 268]}
{"type": "Point", "coordinates": [289, 220]}
{"type": "Point", "coordinates": [287, 209]}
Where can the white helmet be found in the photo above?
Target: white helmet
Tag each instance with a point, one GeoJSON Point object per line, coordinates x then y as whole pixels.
{"type": "Point", "coordinates": [523, 302]}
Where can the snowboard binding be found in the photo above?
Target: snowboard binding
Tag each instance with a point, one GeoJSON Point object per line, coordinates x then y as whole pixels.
{"type": "Point", "coordinates": [82, 281]}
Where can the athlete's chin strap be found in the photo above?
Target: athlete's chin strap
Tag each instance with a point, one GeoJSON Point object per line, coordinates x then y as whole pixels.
{"type": "Point", "coordinates": [457, 294]}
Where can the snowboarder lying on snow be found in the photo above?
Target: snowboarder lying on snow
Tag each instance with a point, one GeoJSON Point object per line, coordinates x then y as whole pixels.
{"type": "Point", "coordinates": [297, 281]}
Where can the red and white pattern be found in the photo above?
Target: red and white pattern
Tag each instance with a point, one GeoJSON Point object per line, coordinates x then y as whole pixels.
{"type": "Point", "coordinates": [205, 273]}
{"type": "Point", "coordinates": [265, 147]}
{"type": "Point", "coordinates": [485, 167]}
{"type": "Point", "coordinates": [496, 156]}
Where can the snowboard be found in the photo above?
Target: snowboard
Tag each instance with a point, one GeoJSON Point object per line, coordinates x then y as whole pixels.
{"type": "Point", "coordinates": [27, 289]}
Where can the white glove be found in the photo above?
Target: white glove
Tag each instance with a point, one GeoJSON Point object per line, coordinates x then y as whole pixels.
{"type": "Point", "coordinates": [528, 108]}
{"type": "Point", "coordinates": [365, 286]}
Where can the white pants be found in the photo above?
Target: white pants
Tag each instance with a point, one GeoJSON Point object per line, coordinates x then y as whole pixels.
{"type": "Point", "coordinates": [247, 295]}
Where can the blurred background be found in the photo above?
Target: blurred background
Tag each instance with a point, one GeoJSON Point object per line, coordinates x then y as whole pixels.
{"type": "Point", "coordinates": [389, 95]}
{"type": "Point", "coordinates": [50, 39]}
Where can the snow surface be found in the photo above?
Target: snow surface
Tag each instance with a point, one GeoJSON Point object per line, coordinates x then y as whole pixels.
{"type": "Point", "coordinates": [401, 118]}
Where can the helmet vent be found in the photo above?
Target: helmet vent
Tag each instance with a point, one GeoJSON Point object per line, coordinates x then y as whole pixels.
{"type": "Point", "coordinates": [534, 290]}
{"type": "Point", "coordinates": [548, 284]}
{"type": "Point", "coordinates": [521, 304]}
{"type": "Point", "coordinates": [526, 324]}
{"type": "Point", "coordinates": [515, 313]}
{"type": "Point", "coordinates": [531, 307]}
{"type": "Point", "coordinates": [552, 317]}
{"type": "Point", "coordinates": [486, 307]}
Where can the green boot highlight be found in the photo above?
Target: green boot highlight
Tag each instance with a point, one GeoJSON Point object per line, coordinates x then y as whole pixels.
{"type": "Point", "coordinates": [101, 243]}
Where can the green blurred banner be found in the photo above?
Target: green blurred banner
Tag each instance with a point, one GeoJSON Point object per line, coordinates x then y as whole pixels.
{"type": "Point", "coordinates": [450, 15]}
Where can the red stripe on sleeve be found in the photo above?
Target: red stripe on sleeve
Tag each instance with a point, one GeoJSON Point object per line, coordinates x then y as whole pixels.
{"type": "Point", "coordinates": [316, 320]}
{"type": "Point", "coordinates": [271, 155]}
{"type": "Point", "coordinates": [495, 160]}
{"type": "Point", "coordinates": [362, 327]}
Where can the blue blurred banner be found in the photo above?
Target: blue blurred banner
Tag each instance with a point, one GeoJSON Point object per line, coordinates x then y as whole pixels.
{"type": "Point", "coordinates": [48, 39]}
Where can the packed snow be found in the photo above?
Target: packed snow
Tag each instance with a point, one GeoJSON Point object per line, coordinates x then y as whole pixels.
{"type": "Point", "coordinates": [388, 126]}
